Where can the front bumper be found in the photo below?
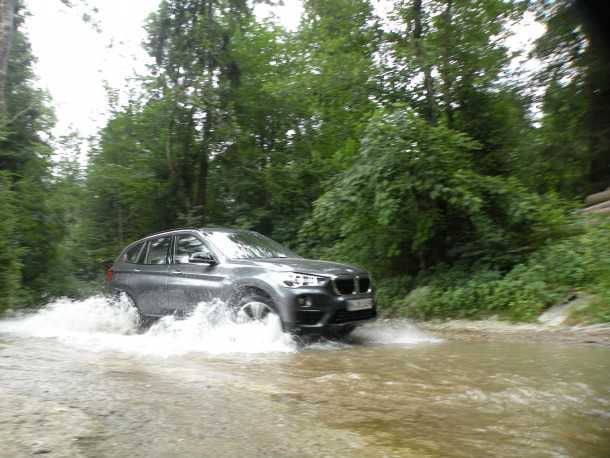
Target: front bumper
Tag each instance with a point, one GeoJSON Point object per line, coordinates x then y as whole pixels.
{"type": "Point", "coordinates": [318, 309]}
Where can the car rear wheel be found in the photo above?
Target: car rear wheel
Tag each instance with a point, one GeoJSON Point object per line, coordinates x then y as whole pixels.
{"type": "Point", "coordinates": [142, 321]}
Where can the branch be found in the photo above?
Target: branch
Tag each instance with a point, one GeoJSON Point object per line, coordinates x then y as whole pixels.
{"type": "Point", "coordinates": [18, 115]}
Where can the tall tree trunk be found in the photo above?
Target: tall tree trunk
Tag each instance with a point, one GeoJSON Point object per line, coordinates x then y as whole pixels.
{"type": "Point", "coordinates": [201, 194]}
{"type": "Point", "coordinates": [186, 175]}
{"type": "Point", "coordinates": [120, 219]}
{"type": "Point", "coordinates": [204, 166]}
{"type": "Point", "coordinates": [169, 137]}
{"type": "Point", "coordinates": [7, 18]}
{"type": "Point", "coordinates": [430, 110]}
{"type": "Point", "coordinates": [598, 117]}
{"type": "Point", "coordinates": [445, 70]}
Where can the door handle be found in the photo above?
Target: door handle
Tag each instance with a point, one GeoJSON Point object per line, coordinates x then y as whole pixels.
{"type": "Point", "coordinates": [176, 272]}
{"type": "Point", "coordinates": [137, 270]}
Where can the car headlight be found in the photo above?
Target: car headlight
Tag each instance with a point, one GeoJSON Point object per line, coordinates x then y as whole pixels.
{"type": "Point", "coordinates": [297, 280]}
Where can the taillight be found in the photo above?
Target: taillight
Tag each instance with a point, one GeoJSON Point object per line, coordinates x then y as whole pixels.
{"type": "Point", "coordinates": [109, 275]}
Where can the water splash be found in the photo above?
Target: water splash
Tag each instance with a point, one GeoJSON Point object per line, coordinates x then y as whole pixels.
{"type": "Point", "coordinates": [390, 332]}
{"type": "Point", "coordinates": [64, 316]}
{"type": "Point", "coordinates": [99, 324]}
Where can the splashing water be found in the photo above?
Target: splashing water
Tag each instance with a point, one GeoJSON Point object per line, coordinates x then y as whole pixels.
{"type": "Point", "coordinates": [394, 333]}
{"type": "Point", "coordinates": [99, 324]}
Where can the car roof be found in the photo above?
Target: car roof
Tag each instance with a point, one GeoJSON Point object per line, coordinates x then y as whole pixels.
{"type": "Point", "coordinates": [220, 229]}
{"type": "Point", "coordinates": [204, 230]}
{"type": "Point", "coordinates": [200, 229]}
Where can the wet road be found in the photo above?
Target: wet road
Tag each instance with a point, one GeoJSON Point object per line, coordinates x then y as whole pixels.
{"type": "Point", "coordinates": [76, 380]}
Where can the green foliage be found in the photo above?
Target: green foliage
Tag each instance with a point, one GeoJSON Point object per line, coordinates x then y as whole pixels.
{"type": "Point", "coordinates": [597, 311]}
{"type": "Point", "coordinates": [389, 292]}
{"type": "Point", "coordinates": [575, 135]}
{"type": "Point", "coordinates": [9, 250]}
{"type": "Point", "coordinates": [580, 262]}
{"type": "Point", "coordinates": [413, 199]}
{"type": "Point", "coordinates": [31, 230]}
{"type": "Point", "coordinates": [408, 148]}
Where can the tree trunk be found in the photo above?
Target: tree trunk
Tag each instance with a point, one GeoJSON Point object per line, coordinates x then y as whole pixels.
{"type": "Point", "coordinates": [169, 138]}
{"type": "Point", "coordinates": [120, 223]}
{"type": "Point", "coordinates": [7, 17]}
{"type": "Point", "coordinates": [445, 69]}
{"type": "Point", "coordinates": [598, 90]}
{"type": "Point", "coordinates": [185, 178]}
{"type": "Point", "coordinates": [597, 87]}
{"type": "Point", "coordinates": [430, 111]}
{"type": "Point", "coordinates": [202, 185]}
{"type": "Point", "coordinates": [201, 195]}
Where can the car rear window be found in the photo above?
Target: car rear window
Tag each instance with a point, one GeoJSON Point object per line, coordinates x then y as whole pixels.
{"type": "Point", "coordinates": [132, 254]}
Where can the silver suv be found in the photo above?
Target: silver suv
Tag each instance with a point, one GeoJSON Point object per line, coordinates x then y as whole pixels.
{"type": "Point", "coordinates": [174, 271]}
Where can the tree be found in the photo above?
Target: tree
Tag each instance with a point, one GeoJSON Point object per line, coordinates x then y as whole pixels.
{"type": "Point", "coordinates": [189, 41]}
{"type": "Point", "coordinates": [462, 43]}
{"type": "Point", "coordinates": [338, 41]}
{"type": "Point", "coordinates": [9, 251]}
{"type": "Point", "coordinates": [7, 14]}
{"type": "Point", "coordinates": [24, 162]}
{"type": "Point", "coordinates": [407, 205]}
{"type": "Point", "coordinates": [576, 110]}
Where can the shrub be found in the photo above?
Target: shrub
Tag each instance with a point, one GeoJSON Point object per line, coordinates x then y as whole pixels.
{"type": "Point", "coordinates": [577, 263]}
{"type": "Point", "coordinates": [414, 199]}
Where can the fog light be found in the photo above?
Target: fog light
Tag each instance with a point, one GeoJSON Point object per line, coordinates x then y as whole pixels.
{"type": "Point", "coordinates": [305, 301]}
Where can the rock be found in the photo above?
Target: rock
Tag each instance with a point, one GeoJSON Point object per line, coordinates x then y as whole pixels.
{"type": "Point", "coordinates": [557, 314]}
{"type": "Point", "coordinates": [603, 207]}
{"type": "Point", "coordinates": [598, 197]}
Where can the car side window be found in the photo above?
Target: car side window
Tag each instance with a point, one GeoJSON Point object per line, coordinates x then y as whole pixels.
{"type": "Point", "coordinates": [186, 245]}
{"type": "Point", "coordinates": [131, 256]}
{"type": "Point", "coordinates": [158, 250]}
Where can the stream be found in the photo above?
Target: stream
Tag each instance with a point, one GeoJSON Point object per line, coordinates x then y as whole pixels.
{"type": "Point", "coordinates": [78, 379]}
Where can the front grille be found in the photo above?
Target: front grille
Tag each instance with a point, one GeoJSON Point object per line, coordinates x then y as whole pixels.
{"type": "Point", "coordinates": [345, 285]}
{"type": "Point", "coordinates": [345, 316]}
{"type": "Point", "coordinates": [364, 284]}
{"type": "Point", "coordinates": [352, 285]}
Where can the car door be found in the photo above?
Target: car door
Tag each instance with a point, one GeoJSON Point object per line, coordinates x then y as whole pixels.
{"type": "Point", "coordinates": [191, 283]}
{"type": "Point", "coordinates": [148, 280]}
{"type": "Point", "coordinates": [123, 268]}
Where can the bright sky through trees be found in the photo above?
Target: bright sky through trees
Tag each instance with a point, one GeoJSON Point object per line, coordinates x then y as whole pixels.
{"type": "Point", "coordinates": [74, 61]}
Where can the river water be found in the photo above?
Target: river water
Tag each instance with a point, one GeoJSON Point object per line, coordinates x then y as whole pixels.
{"type": "Point", "coordinates": [78, 380]}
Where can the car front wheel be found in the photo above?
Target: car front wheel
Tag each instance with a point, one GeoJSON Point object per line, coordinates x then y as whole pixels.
{"type": "Point", "coordinates": [254, 307]}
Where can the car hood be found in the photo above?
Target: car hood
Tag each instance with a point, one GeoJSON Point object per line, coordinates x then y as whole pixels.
{"type": "Point", "coordinates": [306, 266]}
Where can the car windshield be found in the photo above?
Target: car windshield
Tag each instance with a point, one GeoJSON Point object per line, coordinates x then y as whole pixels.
{"type": "Point", "coordinates": [248, 245]}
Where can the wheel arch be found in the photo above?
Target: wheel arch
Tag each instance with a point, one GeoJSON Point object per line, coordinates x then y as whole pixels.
{"type": "Point", "coordinates": [254, 286]}
{"type": "Point", "coordinates": [246, 286]}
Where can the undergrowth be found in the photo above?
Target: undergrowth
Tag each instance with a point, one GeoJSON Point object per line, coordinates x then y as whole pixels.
{"type": "Point", "coordinates": [576, 264]}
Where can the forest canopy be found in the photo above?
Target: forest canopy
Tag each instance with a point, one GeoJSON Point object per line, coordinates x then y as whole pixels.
{"type": "Point", "coordinates": [418, 150]}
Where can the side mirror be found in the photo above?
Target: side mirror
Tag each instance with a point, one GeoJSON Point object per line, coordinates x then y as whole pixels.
{"type": "Point", "coordinates": [202, 257]}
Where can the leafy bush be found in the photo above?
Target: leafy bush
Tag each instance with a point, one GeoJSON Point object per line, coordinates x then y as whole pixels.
{"type": "Point", "coordinates": [413, 199]}
{"type": "Point", "coordinates": [580, 262]}
{"type": "Point", "coordinates": [389, 292]}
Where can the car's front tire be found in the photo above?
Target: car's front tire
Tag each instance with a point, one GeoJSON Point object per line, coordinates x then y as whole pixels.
{"type": "Point", "coordinates": [253, 306]}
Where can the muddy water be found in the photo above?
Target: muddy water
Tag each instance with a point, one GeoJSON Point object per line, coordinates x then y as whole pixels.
{"type": "Point", "coordinates": [76, 379]}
